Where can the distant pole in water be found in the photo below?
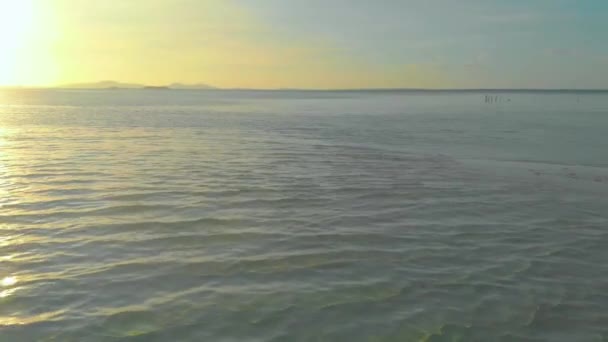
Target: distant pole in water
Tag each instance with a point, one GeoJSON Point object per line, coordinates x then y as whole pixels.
{"type": "Point", "coordinates": [493, 99]}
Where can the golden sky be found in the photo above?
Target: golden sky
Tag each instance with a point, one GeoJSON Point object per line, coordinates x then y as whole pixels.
{"type": "Point", "coordinates": [305, 44]}
{"type": "Point", "coordinates": [51, 42]}
{"type": "Point", "coordinates": [217, 42]}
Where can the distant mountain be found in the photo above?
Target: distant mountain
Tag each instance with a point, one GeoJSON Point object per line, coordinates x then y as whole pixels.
{"type": "Point", "coordinates": [157, 87]}
{"type": "Point", "coordinates": [104, 85]}
{"type": "Point", "coordinates": [121, 85]}
{"type": "Point", "coordinates": [190, 86]}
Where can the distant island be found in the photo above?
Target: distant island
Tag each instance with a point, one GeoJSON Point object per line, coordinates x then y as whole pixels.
{"type": "Point", "coordinates": [157, 87]}
{"type": "Point", "coordinates": [190, 86]}
{"type": "Point", "coordinates": [114, 85]}
{"type": "Point", "coordinates": [122, 85]}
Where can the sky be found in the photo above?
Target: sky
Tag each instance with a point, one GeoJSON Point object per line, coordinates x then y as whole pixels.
{"type": "Point", "coordinates": [307, 44]}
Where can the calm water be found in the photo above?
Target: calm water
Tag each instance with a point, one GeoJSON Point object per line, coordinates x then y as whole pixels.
{"type": "Point", "coordinates": [303, 216]}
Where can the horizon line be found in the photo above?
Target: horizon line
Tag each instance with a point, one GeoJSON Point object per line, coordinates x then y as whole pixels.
{"type": "Point", "coordinates": [378, 89]}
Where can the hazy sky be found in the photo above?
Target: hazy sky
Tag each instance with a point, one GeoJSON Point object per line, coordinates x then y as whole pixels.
{"type": "Point", "coordinates": [308, 44]}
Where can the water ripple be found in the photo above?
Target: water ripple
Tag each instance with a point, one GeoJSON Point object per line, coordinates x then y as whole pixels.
{"type": "Point", "coordinates": [117, 226]}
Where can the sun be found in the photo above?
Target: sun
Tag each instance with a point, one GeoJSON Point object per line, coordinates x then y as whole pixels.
{"type": "Point", "coordinates": [16, 27]}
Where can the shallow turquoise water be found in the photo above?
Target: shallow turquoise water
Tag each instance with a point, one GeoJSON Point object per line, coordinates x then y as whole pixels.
{"type": "Point", "coordinates": [303, 216]}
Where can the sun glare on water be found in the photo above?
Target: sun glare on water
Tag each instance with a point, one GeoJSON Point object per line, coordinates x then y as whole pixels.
{"type": "Point", "coordinates": [16, 27]}
{"type": "Point", "coordinates": [8, 281]}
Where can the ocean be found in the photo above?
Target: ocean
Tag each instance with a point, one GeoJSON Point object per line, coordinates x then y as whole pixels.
{"type": "Point", "coordinates": [185, 215]}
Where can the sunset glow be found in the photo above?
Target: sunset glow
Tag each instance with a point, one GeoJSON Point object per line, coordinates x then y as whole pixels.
{"type": "Point", "coordinates": [16, 28]}
{"type": "Point", "coordinates": [277, 44]}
